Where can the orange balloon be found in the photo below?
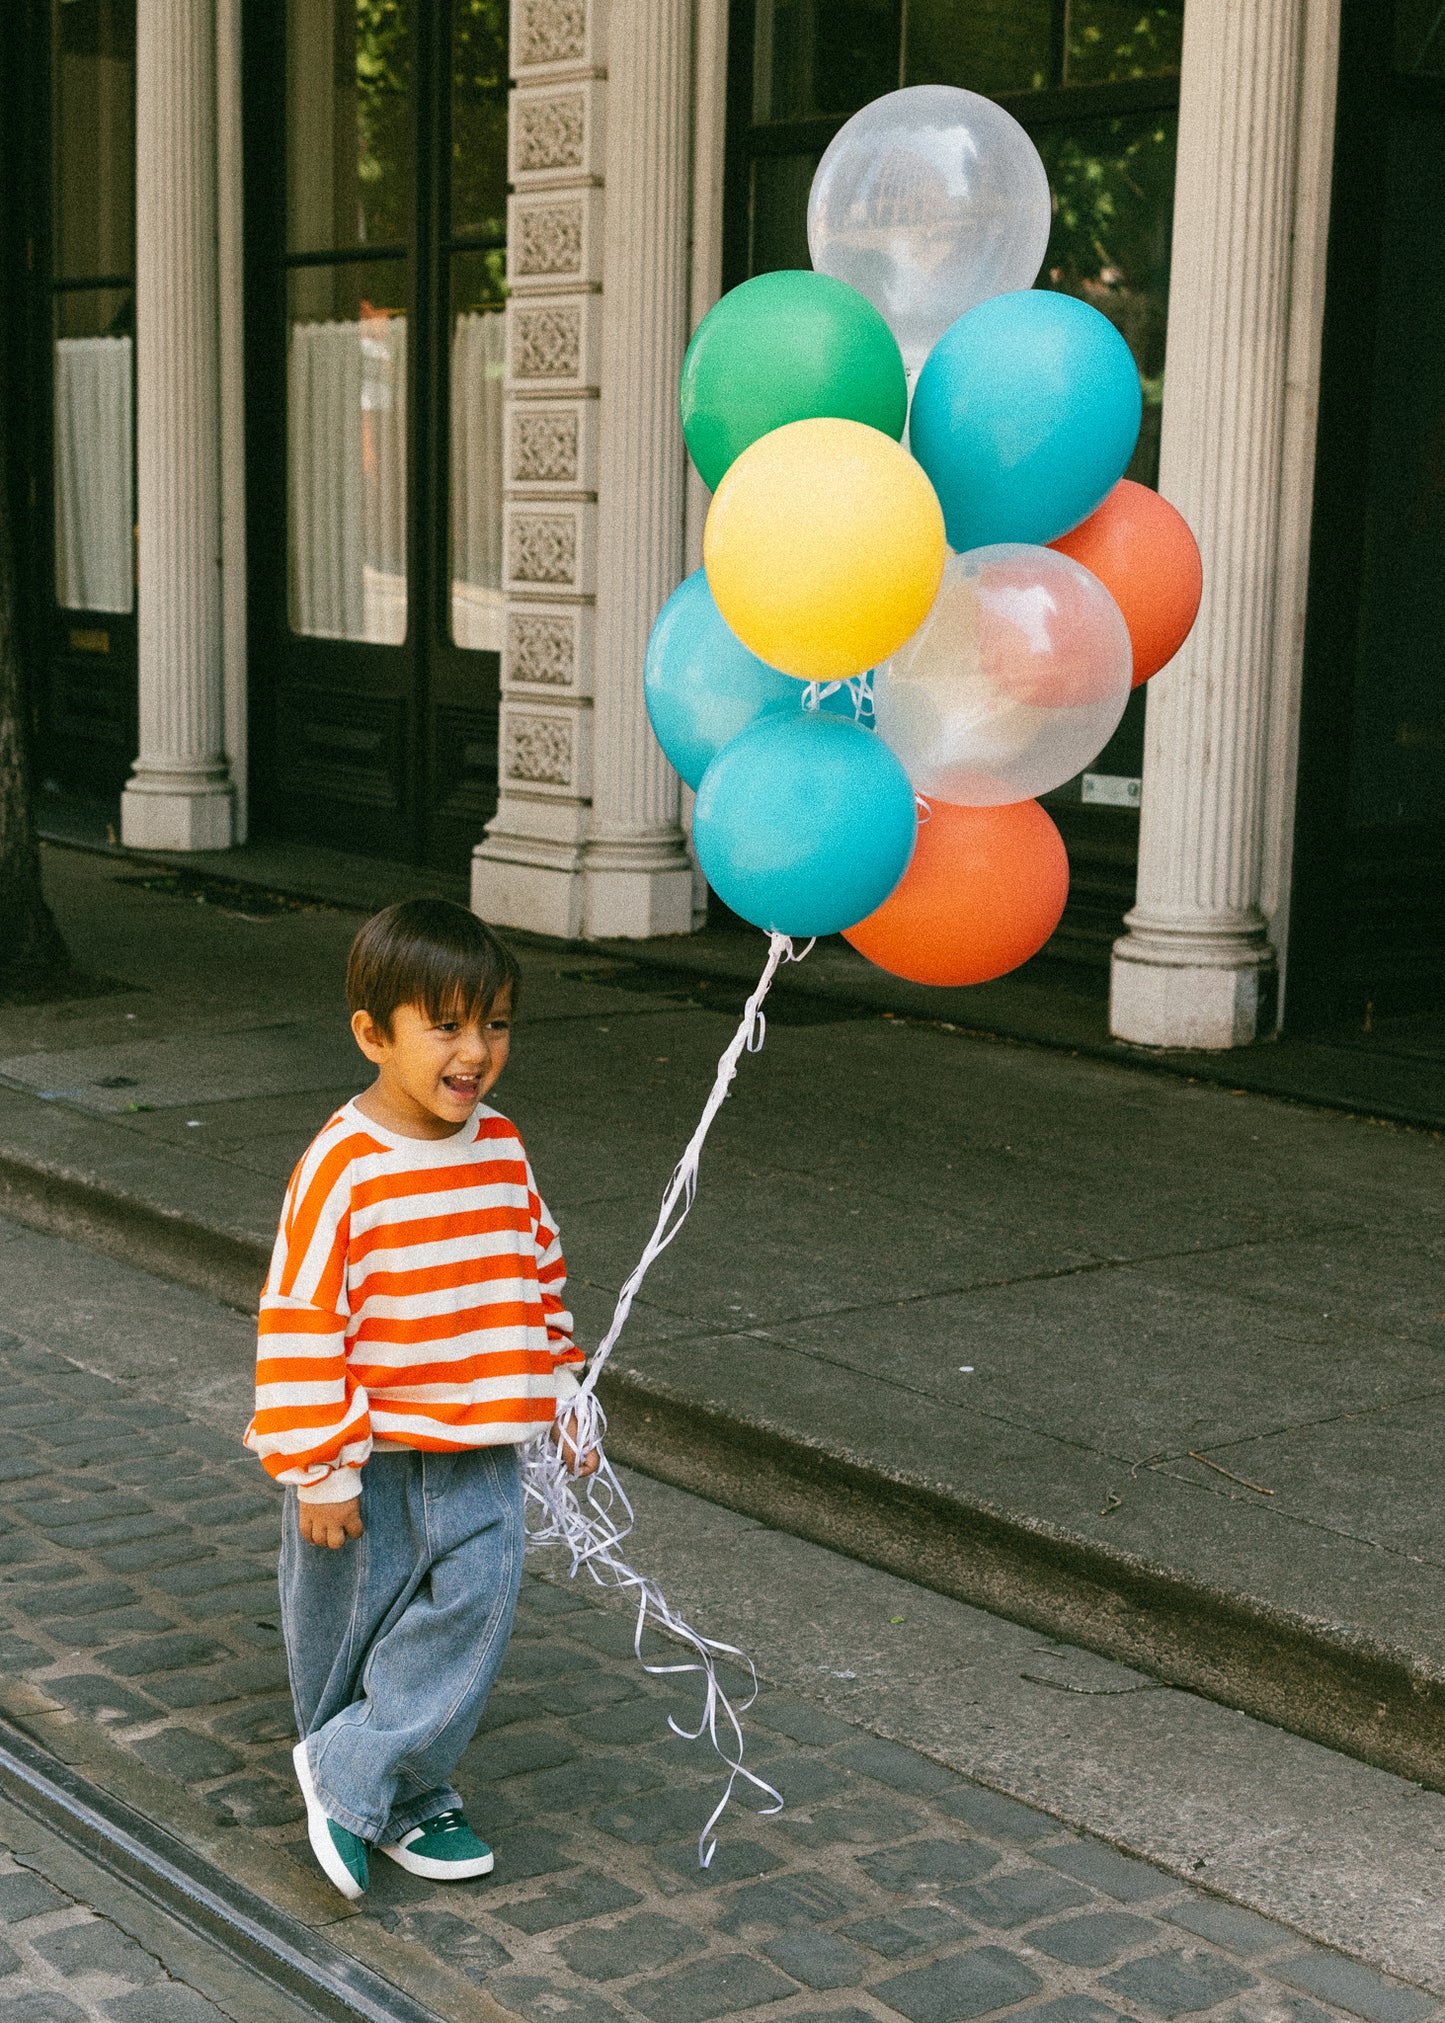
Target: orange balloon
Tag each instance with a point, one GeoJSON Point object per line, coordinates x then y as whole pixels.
{"type": "Point", "coordinates": [984, 892]}
{"type": "Point", "coordinates": [1143, 553]}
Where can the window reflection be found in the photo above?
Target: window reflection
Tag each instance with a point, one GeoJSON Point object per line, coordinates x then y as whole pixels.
{"type": "Point", "coordinates": [822, 56]}
{"type": "Point", "coordinates": [990, 46]}
{"type": "Point", "coordinates": [93, 138]}
{"type": "Point", "coordinates": [1111, 40]}
{"type": "Point", "coordinates": [346, 452]}
{"type": "Point", "coordinates": [348, 117]}
{"type": "Point", "coordinates": [94, 473]}
{"type": "Point", "coordinates": [478, 365]}
{"type": "Point", "coordinates": [1113, 185]}
{"type": "Point", "coordinates": [479, 119]}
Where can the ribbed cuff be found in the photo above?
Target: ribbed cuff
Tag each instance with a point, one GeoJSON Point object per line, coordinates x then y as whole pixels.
{"type": "Point", "coordinates": [337, 1487]}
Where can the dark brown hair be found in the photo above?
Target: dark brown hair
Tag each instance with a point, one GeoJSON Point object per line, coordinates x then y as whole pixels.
{"type": "Point", "coordinates": [432, 954]}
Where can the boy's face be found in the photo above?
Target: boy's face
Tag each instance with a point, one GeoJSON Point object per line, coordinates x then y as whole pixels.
{"type": "Point", "coordinates": [432, 1074]}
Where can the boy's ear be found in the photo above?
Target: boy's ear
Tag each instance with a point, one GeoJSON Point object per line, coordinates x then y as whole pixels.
{"type": "Point", "coordinates": [368, 1038]}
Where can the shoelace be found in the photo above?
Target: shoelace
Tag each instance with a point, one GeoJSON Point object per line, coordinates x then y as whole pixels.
{"type": "Point", "coordinates": [454, 1821]}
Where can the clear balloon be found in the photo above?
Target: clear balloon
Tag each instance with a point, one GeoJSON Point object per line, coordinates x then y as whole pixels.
{"type": "Point", "coordinates": [1014, 682]}
{"type": "Point", "coordinates": [929, 201]}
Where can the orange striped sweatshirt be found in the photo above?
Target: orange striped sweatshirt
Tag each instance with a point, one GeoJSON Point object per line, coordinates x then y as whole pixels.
{"type": "Point", "coordinates": [414, 1298]}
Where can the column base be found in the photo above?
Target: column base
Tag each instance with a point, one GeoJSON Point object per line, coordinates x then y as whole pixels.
{"type": "Point", "coordinates": [636, 890]}
{"type": "Point", "coordinates": [1192, 989]}
{"type": "Point", "coordinates": [521, 882]}
{"type": "Point", "coordinates": [177, 811]}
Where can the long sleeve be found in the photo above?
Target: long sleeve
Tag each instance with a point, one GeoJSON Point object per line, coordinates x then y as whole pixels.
{"type": "Point", "coordinates": [552, 1280]}
{"type": "Point", "coordinates": [312, 1425]}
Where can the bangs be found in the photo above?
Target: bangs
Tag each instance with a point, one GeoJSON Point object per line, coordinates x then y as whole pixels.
{"type": "Point", "coordinates": [431, 954]}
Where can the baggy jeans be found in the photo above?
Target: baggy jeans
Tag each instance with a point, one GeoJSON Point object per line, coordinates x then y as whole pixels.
{"type": "Point", "coordinates": [393, 1641]}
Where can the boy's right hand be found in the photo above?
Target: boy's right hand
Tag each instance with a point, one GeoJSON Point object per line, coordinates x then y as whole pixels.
{"type": "Point", "coordinates": [329, 1523]}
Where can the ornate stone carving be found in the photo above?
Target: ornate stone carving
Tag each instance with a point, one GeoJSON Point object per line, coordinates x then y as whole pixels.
{"type": "Point", "coordinates": [543, 548]}
{"type": "Point", "coordinates": [539, 750]}
{"type": "Point", "coordinates": [547, 240]}
{"type": "Point", "coordinates": [541, 650]}
{"type": "Point", "coordinates": [544, 447]}
{"type": "Point", "coordinates": [548, 340]}
{"type": "Point", "coordinates": [549, 133]}
{"type": "Point", "coordinates": [552, 31]}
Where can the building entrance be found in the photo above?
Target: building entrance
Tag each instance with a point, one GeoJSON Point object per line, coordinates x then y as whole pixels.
{"type": "Point", "coordinates": [1096, 84]}
{"type": "Point", "coordinates": [376, 209]}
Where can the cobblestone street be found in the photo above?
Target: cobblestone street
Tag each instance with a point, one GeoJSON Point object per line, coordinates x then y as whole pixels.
{"type": "Point", "coordinates": [138, 1555]}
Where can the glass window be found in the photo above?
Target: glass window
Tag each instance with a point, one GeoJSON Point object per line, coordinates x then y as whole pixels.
{"type": "Point", "coordinates": [822, 56]}
{"type": "Point", "coordinates": [780, 211]}
{"type": "Point", "coordinates": [1113, 185]}
{"type": "Point", "coordinates": [479, 120]}
{"type": "Point", "coordinates": [478, 366]}
{"type": "Point", "coordinates": [991, 46]}
{"type": "Point", "coordinates": [1109, 40]}
{"type": "Point", "coordinates": [1398, 745]}
{"type": "Point", "coordinates": [346, 443]}
{"type": "Point", "coordinates": [93, 138]}
{"type": "Point", "coordinates": [348, 117]}
{"type": "Point", "coordinates": [1420, 37]}
{"type": "Point", "coordinates": [94, 437]}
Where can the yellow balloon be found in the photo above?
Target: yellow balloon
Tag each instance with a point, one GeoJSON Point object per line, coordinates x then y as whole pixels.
{"type": "Point", "coordinates": [824, 548]}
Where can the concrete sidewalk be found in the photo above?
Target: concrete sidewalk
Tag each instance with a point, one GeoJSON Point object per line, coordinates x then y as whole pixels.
{"type": "Point", "coordinates": [1141, 1361]}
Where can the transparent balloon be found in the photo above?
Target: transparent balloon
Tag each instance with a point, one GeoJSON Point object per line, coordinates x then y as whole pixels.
{"type": "Point", "coordinates": [1014, 682]}
{"type": "Point", "coordinates": [929, 201]}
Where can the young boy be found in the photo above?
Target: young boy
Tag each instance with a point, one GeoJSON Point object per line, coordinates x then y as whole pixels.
{"type": "Point", "coordinates": [412, 1335]}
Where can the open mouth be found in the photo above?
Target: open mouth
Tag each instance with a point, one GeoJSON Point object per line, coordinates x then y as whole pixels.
{"type": "Point", "coordinates": [465, 1088]}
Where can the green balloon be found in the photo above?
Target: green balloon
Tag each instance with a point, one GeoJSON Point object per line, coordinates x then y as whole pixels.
{"type": "Point", "coordinates": [787, 347]}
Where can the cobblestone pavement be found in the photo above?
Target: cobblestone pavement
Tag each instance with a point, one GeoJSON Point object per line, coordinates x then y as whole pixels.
{"type": "Point", "coordinates": [137, 1550]}
{"type": "Point", "coordinates": [61, 1962]}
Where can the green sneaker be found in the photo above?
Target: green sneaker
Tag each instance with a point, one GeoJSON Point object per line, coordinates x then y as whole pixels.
{"type": "Point", "coordinates": [342, 1855]}
{"type": "Point", "coordinates": [443, 1848]}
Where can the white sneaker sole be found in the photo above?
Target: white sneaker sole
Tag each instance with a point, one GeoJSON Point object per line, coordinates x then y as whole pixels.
{"type": "Point", "coordinates": [438, 1871]}
{"type": "Point", "coordinates": [318, 1828]}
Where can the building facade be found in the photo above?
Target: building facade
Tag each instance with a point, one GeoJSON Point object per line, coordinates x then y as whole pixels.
{"type": "Point", "coordinates": [341, 344]}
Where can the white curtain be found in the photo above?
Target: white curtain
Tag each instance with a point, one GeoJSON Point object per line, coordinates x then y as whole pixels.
{"type": "Point", "coordinates": [346, 436]}
{"type": "Point", "coordinates": [94, 550]}
{"type": "Point", "coordinates": [478, 365]}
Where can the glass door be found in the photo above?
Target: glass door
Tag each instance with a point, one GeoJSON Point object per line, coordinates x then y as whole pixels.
{"type": "Point", "coordinates": [377, 199]}
{"type": "Point", "coordinates": [82, 422]}
{"type": "Point", "coordinates": [1096, 83]}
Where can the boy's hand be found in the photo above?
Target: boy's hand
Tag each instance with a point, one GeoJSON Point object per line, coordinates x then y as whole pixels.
{"type": "Point", "coordinates": [564, 1435]}
{"type": "Point", "coordinates": [329, 1523]}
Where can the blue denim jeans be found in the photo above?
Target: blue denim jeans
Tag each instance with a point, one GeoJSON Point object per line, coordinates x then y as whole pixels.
{"type": "Point", "coordinates": [394, 1640]}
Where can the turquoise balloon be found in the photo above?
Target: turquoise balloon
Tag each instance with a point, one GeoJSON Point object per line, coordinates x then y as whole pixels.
{"type": "Point", "coordinates": [783, 347]}
{"type": "Point", "coordinates": [701, 683]}
{"type": "Point", "coordinates": [1024, 417]}
{"type": "Point", "coordinates": [804, 823]}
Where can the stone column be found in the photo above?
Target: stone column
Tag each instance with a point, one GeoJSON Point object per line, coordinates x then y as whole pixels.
{"type": "Point", "coordinates": [639, 876]}
{"type": "Point", "coordinates": [179, 795]}
{"type": "Point", "coordinates": [1196, 967]}
{"type": "Point", "coordinates": [527, 871]}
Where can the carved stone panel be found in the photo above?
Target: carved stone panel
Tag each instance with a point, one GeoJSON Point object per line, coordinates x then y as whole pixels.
{"type": "Point", "coordinates": [547, 340]}
{"type": "Point", "coordinates": [545, 445]}
{"type": "Point", "coordinates": [549, 133]}
{"type": "Point", "coordinates": [550, 31]}
{"type": "Point", "coordinates": [543, 549]}
{"type": "Point", "coordinates": [542, 648]}
{"type": "Point", "coordinates": [547, 241]}
{"type": "Point", "coordinates": [539, 750]}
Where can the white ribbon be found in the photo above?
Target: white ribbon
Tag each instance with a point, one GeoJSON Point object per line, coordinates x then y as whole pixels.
{"type": "Point", "coordinates": [591, 1516]}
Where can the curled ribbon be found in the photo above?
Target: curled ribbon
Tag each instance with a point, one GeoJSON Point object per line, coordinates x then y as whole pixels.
{"type": "Point", "coordinates": [593, 1521]}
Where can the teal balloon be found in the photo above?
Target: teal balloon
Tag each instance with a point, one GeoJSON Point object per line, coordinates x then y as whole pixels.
{"type": "Point", "coordinates": [701, 683]}
{"type": "Point", "coordinates": [804, 823]}
{"type": "Point", "coordinates": [1025, 416]}
{"type": "Point", "coordinates": [787, 347]}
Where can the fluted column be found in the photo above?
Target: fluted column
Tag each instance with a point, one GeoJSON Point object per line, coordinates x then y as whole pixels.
{"type": "Point", "coordinates": [179, 796]}
{"type": "Point", "coordinates": [639, 877]}
{"type": "Point", "coordinates": [1196, 968]}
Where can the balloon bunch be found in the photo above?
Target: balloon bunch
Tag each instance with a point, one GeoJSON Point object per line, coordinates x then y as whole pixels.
{"type": "Point", "coordinates": [890, 652]}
